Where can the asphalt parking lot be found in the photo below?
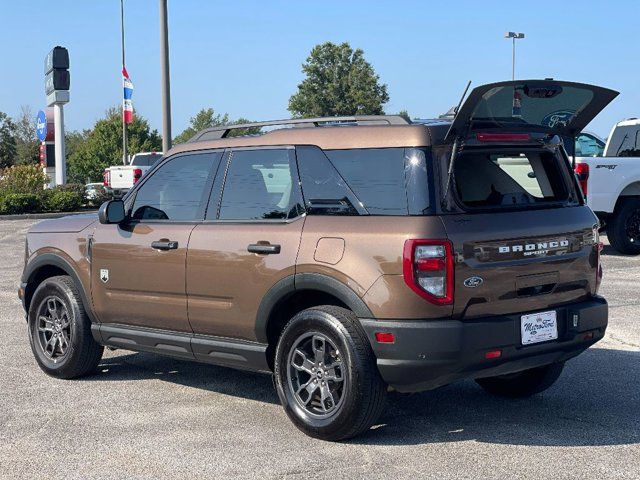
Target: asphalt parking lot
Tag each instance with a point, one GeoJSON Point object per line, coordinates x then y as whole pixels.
{"type": "Point", "coordinates": [144, 416]}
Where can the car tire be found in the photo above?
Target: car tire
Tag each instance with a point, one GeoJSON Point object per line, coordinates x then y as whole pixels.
{"type": "Point", "coordinates": [623, 230]}
{"type": "Point", "coordinates": [326, 375]}
{"type": "Point", "coordinates": [522, 384]}
{"type": "Point", "coordinates": [60, 330]}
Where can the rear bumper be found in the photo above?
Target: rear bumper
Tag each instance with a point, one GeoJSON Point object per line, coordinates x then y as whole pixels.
{"type": "Point", "coordinates": [427, 354]}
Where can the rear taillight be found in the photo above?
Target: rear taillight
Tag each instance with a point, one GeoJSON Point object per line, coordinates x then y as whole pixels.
{"type": "Point", "coordinates": [428, 269]}
{"type": "Point", "coordinates": [582, 173]}
{"type": "Point", "coordinates": [503, 137]}
{"type": "Point", "coordinates": [137, 173]}
{"type": "Point", "coordinates": [105, 176]}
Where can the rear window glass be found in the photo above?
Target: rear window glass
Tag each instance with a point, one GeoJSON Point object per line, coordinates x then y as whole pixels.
{"type": "Point", "coordinates": [524, 104]}
{"type": "Point", "coordinates": [625, 142]}
{"type": "Point", "coordinates": [509, 179]}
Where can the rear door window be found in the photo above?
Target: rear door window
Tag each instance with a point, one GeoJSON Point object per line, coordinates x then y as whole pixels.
{"type": "Point", "coordinates": [509, 179]}
{"type": "Point", "coordinates": [261, 184]}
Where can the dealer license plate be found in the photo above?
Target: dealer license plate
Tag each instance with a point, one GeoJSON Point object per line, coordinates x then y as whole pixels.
{"type": "Point", "coordinates": [539, 327]}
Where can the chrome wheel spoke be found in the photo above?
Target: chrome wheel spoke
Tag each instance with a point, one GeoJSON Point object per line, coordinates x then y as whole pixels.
{"type": "Point", "coordinates": [327, 401]}
{"type": "Point", "coordinates": [315, 374]}
{"type": "Point", "coordinates": [308, 389]}
{"type": "Point", "coordinates": [301, 362]}
{"type": "Point", "coordinates": [52, 308]}
{"type": "Point", "coordinates": [319, 349]}
{"type": "Point", "coordinates": [334, 375]}
{"type": "Point", "coordinates": [53, 327]}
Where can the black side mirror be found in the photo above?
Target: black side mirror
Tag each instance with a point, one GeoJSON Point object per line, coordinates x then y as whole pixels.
{"type": "Point", "coordinates": [111, 212]}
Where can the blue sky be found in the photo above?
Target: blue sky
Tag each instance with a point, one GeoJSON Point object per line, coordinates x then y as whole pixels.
{"type": "Point", "coordinates": [244, 57]}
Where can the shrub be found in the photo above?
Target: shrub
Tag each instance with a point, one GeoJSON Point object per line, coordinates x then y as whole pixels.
{"type": "Point", "coordinates": [23, 179]}
{"type": "Point", "coordinates": [62, 200]}
{"type": "Point", "coordinates": [12, 203]}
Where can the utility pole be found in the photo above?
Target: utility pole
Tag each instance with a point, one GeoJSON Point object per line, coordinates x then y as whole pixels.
{"type": "Point", "coordinates": [125, 154]}
{"type": "Point", "coordinates": [513, 36]}
{"type": "Point", "coordinates": [166, 87]}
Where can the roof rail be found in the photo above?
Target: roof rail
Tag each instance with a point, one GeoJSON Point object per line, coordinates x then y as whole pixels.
{"type": "Point", "coordinates": [215, 133]}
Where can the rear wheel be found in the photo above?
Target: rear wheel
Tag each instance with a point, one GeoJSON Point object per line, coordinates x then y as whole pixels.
{"type": "Point", "coordinates": [326, 374]}
{"type": "Point", "coordinates": [522, 384]}
{"type": "Point", "coordinates": [624, 229]}
{"type": "Point", "coordinates": [60, 330]}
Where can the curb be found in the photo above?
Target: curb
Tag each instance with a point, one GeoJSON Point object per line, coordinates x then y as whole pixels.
{"type": "Point", "coordinates": [40, 216]}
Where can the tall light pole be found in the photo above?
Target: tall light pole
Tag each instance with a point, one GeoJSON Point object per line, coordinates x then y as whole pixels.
{"type": "Point", "coordinates": [166, 88]}
{"type": "Point", "coordinates": [125, 154]}
{"type": "Point", "coordinates": [513, 36]}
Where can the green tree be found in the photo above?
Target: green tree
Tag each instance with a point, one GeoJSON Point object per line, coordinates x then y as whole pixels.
{"type": "Point", "coordinates": [339, 81]}
{"type": "Point", "coordinates": [74, 139]}
{"type": "Point", "coordinates": [27, 144]}
{"type": "Point", "coordinates": [207, 118]}
{"type": "Point", "coordinates": [103, 146]}
{"type": "Point", "coordinates": [7, 141]}
{"type": "Point", "coordinates": [405, 114]}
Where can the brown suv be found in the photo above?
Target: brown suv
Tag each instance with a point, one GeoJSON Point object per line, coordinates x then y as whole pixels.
{"type": "Point", "coordinates": [345, 255]}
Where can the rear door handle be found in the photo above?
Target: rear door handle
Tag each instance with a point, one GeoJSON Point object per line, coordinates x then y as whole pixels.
{"type": "Point", "coordinates": [164, 244]}
{"type": "Point", "coordinates": [263, 248]}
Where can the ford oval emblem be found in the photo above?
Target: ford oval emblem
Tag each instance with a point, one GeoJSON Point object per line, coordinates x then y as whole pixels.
{"type": "Point", "coordinates": [473, 282]}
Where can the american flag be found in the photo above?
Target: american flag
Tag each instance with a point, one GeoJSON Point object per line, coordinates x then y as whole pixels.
{"type": "Point", "coordinates": [127, 105]}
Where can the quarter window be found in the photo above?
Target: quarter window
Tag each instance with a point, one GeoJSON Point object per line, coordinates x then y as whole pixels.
{"type": "Point", "coordinates": [178, 190]}
{"type": "Point", "coordinates": [376, 176]}
{"type": "Point", "coordinates": [261, 185]}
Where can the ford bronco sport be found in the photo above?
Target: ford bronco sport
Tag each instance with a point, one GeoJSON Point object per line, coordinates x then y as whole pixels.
{"type": "Point", "coordinates": [347, 255]}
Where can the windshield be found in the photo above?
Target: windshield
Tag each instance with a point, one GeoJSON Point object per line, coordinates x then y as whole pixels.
{"type": "Point", "coordinates": [550, 106]}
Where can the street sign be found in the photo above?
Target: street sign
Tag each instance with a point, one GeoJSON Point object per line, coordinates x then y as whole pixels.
{"type": "Point", "coordinates": [58, 58]}
{"type": "Point", "coordinates": [41, 126]}
{"type": "Point", "coordinates": [56, 85]}
{"type": "Point", "coordinates": [56, 80]}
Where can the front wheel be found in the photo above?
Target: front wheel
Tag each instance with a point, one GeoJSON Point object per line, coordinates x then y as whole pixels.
{"type": "Point", "coordinates": [326, 374]}
{"type": "Point", "coordinates": [522, 384]}
{"type": "Point", "coordinates": [60, 330]}
{"type": "Point", "coordinates": [624, 229]}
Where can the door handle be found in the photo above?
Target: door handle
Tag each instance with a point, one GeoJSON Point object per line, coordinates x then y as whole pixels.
{"type": "Point", "coordinates": [263, 248]}
{"type": "Point", "coordinates": [164, 244]}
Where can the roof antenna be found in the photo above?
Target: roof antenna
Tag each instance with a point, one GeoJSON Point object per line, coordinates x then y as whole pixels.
{"type": "Point", "coordinates": [454, 149]}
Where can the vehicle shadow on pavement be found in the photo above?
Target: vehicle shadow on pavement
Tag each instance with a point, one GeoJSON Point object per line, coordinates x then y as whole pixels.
{"type": "Point", "coordinates": [611, 252]}
{"type": "Point", "coordinates": [596, 401]}
{"type": "Point", "coordinates": [227, 381]}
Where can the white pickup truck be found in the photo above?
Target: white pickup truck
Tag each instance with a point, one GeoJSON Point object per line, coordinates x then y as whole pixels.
{"type": "Point", "coordinates": [120, 178]}
{"type": "Point", "coordinates": [611, 184]}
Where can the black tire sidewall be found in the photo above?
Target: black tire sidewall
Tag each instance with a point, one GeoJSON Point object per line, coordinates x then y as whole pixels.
{"type": "Point", "coordinates": [617, 228]}
{"type": "Point", "coordinates": [321, 322]}
{"type": "Point", "coordinates": [53, 287]}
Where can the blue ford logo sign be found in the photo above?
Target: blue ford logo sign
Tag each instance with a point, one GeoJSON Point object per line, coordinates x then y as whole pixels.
{"type": "Point", "coordinates": [41, 126]}
{"type": "Point", "coordinates": [559, 118]}
{"type": "Point", "coordinates": [473, 282]}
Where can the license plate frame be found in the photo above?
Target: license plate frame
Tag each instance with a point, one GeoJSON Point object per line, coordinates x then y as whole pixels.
{"type": "Point", "coordinates": [539, 327]}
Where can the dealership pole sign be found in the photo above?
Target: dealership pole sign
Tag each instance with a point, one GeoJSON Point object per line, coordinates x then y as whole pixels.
{"type": "Point", "coordinates": [57, 81]}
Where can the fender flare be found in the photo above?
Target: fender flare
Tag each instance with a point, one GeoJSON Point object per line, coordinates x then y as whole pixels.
{"type": "Point", "coordinates": [306, 281]}
{"type": "Point", "coordinates": [47, 259]}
